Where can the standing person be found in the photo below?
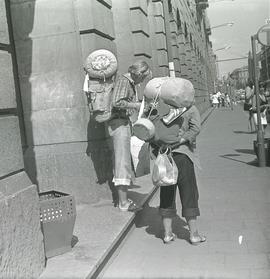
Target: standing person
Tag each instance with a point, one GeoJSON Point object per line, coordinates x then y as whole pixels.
{"type": "Point", "coordinates": [125, 103]}
{"type": "Point", "coordinates": [219, 98]}
{"type": "Point", "coordinates": [249, 93]}
{"type": "Point", "coordinates": [227, 100]}
{"type": "Point", "coordinates": [215, 100]}
{"type": "Point", "coordinates": [184, 154]}
{"type": "Point", "coordinates": [263, 107]}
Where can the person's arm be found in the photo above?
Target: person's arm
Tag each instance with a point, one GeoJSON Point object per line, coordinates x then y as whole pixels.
{"type": "Point", "coordinates": [249, 92]}
{"type": "Point", "coordinates": [194, 127]}
{"type": "Point", "coordinates": [120, 97]}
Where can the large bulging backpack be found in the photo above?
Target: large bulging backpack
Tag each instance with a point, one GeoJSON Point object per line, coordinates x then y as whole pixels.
{"type": "Point", "coordinates": [101, 68]}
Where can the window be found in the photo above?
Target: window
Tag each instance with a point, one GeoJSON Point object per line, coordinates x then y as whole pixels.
{"type": "Point", "coordinates": [170, 6]}
{"type": "Point", "coordinates": [186, 32]}
{"type": "Point", "coordinates": [178, 20]}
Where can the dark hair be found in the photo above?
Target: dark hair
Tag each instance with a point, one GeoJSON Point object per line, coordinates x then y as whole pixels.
{"type": "Point", "coordinates": [250, 82]}
{"type": "Point", "coordinates": [139, 67]}
{"type": "Point", "coordinates": [262, 84]}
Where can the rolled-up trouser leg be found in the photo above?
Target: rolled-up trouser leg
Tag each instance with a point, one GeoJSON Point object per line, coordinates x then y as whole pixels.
{"type": "Point", "coordinates": [167, 206]}
{"type": "Point", "coordinates": [187, 185]}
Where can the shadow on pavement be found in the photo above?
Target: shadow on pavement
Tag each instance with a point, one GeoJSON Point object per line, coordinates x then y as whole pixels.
{"type": "Point", "coordinates": [244, 132]}
{"type": "Point", "coordinates": [253, 163]}
{"type": "Point", "coordinates": [149, 217]}
{"type": "Point", "coordinates": [246, 151]}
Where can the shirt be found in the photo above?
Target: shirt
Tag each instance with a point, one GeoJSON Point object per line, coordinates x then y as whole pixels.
{"type": "Point", "coordinates": [124, 92]}
{"type": "Point", "coordinates": [189, 129]}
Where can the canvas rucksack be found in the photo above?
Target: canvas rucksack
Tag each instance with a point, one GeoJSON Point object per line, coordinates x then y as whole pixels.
{"type": "Point", "coordinates": [101, 68]}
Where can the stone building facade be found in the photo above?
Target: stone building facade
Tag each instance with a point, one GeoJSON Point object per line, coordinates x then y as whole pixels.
{"type": "Point", "coordinates": [47, 137]}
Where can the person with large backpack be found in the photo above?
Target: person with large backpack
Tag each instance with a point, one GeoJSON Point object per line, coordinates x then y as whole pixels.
{"type": "Point", "coordinates": [125, 103]}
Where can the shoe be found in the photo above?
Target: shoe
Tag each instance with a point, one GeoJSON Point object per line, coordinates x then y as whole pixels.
{"type": "Point", "coordinates": [196, 240]}
{"type": "Point", "coordinates": [168, 238]}
{"type": "Point", "coordinates": [130, 206]}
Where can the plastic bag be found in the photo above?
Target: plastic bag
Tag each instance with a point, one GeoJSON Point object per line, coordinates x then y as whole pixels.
{"type": "Point", "coordinates": [165, 171]}
{"type": "Point", "coordinates": [140, 156]}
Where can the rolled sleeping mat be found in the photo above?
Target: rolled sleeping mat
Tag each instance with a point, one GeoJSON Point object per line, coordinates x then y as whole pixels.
{"type": "Point", "coordinates": [101, 64]}
{"type": "Point", "coordinates": [153, 87]}
{"type": "Point", "coordinates": [144, 129]}
{"type": "Point", "coordinates": [178, 92]}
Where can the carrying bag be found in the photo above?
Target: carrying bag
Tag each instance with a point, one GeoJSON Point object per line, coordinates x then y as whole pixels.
{"type": "Point", "coordinates": [139, 150]}
{"type": "Point", "coordinates": [140, 156]}
{"type": "Point", "coordinates": [247, 106]}
{"type": "Point", "coordinates": [165, 171]}
{"type": "Point", "coordinates": [99, 97]}
{"type": "Point", "coordinates": [101, 68]}
{"type": "Point", "coordinates": [268, 115]}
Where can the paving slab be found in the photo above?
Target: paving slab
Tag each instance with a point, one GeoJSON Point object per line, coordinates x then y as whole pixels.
{"type": "Point", "coordinates": [99, 229]}
{"type": "Point", "coordinates": [235, 214]}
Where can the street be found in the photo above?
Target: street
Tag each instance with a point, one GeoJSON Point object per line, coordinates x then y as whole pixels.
{"type": "Point", "coordinates": [235, 206]}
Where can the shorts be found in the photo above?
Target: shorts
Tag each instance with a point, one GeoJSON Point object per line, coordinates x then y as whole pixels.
{"type": "Point", "coordinates": [120, 132]}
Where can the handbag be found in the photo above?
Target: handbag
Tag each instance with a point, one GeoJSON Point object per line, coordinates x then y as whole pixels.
{"type": "Point", "coordinates": [139, 151]}
{"type": "Point", "coordinates": [247, 106]}
{"type": "Point", "coordinates": [140, 156]}
{"type": "Point", "coordinates": [165, 171]}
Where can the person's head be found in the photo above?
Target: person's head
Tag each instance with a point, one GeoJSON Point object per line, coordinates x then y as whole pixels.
{"type": "Point", "coordinates": [262, 87]}
{"type": "Point", "coordinates": [139, 70]}
{"type": "Point", "coordinates": [250, 82]}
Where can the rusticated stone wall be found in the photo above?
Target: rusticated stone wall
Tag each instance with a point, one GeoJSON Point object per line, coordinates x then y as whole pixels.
{"type": "Point", "coordinates": [21, 240]}
{"type": "Point", "coordinates": [66, 150]}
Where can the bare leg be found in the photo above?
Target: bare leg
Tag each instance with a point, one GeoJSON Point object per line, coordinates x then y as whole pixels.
{"type": "Point", "coordinates": [195, 238]}
{"type": "Point", "coordinates": [192, 225]}
{"type": "Point", "coordinates": [169, 235]}
{"type": "Point", "coordinates": [122, 194]}
{"type": "Point", "coordinates": [167, 224]}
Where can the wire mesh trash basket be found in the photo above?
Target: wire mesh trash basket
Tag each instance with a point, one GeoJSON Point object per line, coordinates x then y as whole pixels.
{"type": "Point", "coordinates": [57, 217]}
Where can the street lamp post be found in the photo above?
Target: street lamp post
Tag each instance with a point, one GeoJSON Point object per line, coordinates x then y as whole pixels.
{"type": "Point", "coordinates": [262, 34]}
{"type": "Point", "coordinates": [260, 136]}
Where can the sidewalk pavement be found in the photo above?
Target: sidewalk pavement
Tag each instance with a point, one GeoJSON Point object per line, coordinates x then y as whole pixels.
{"type": "Point", "coordinates": [235, 215]}
{"type": "Point", "coordinates": [99, 229]}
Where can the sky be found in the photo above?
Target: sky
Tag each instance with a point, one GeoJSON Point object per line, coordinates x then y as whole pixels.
{"type": "Point", "coordinates": [248, 16]}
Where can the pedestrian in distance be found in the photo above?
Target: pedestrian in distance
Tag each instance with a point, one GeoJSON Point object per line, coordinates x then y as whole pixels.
{"type": "Point", "coordinates": [215, 100]}
{"type": "Point", "coordinates": [263, 103]}
{"type": "Point", "coordinates": [227, 100]}
{"type": "Point", "coordinates": [184, 154]}
{"type": "Point", "coordinates": [219, 98]}
{"type": "Point", "coordinates": [249, 93]}
{"type": "Point", "coordinates": [125, 103]}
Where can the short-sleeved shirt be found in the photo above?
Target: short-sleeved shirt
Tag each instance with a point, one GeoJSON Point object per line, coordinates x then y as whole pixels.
{"type": "Point", "coordinates": [124, 92]}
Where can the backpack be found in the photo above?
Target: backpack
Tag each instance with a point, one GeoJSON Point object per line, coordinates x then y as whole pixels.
{"type": "Point", "coordinates": [101, 68]}
{"type": "Point", "coordinates": [99, 95]}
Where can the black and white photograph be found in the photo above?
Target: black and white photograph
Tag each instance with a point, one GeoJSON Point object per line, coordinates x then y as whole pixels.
{"type": "Point", "coordinates": [134, 139]}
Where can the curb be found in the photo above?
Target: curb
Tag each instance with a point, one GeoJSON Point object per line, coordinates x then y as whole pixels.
{"type": "Point", "coordinates": [107, 255]}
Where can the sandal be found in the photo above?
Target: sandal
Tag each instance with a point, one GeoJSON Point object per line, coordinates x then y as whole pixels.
{"type": "Point", "coordinates": [130, 206]}
{"type": "Point", "coordinates": [196, 240]}
{"type": "Point", "coordinates": [168, 238]}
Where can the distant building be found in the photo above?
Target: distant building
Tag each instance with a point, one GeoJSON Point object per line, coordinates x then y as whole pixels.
{"type": "Point", "coordinates": [264, 59]}
{"type": "Point", "coordinates": [240, 76]}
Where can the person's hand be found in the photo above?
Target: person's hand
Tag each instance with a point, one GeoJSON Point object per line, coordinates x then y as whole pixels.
{"type": "Point", "coordinates": [137, 106]}
{"type": "Point", "coordinates": [134, 105]}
